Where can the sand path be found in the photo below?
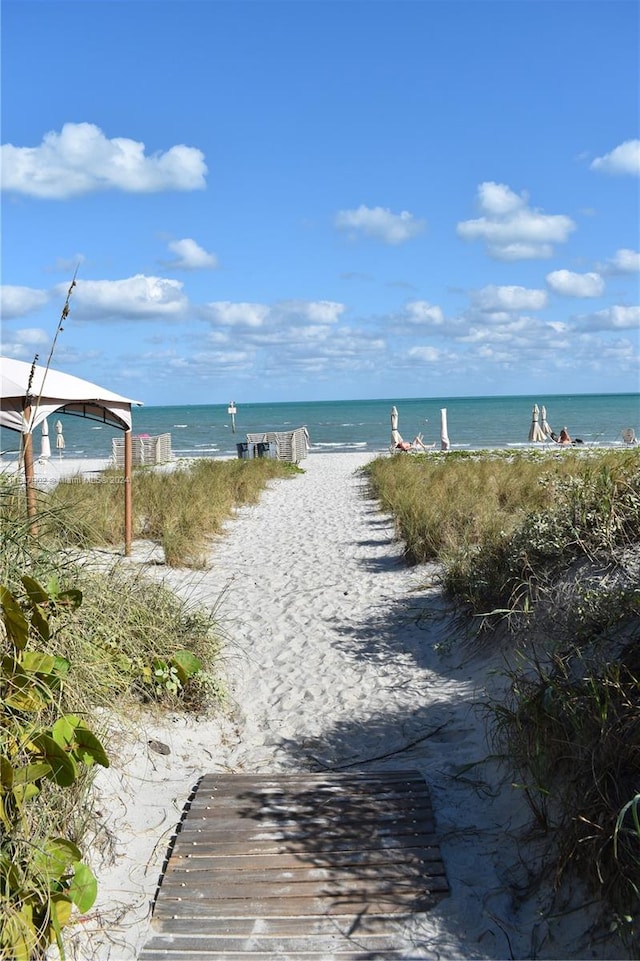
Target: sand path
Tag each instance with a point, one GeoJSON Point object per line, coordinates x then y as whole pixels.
{"type": "Point", "coordinates": [336, 657]}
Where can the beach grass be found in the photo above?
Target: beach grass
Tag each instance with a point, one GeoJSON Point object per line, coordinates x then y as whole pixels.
{"type": "Point", "coordinates": [129, 646]}
{"type": "Point", "coordinates": [476, 513]}
{"type": "Point", "coordinates": [122, 650]}
{"type": "Point", "coordinates": [547, 550]}
{"type": "Point", "coordinates": [180, 509]}
{"type": "Point", "coordinates": [541, 551]}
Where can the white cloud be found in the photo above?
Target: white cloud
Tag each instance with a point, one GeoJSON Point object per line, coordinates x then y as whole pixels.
{"type": "Point", "coordinates": [511, 229]}
{"type": "Point", "coordinates": [498, 200]}
{"type": "Point", "coordinates": [569, 284]}
{"type": "Point", "coordinates": [81, 160]}
{"type": "Point", "coordinates": [623, 159]}
{"type": "Point", "coordinates": [518, 332]}
{"type": "Point", "coordinates": [420, 313]}
{"type": "Point", "coordinates": [20, 301]}
{"type": "Point", "coordinates": [429, 355]}
{"type": "Point", "coordinates": [509, 298]}
{"type": "Point", "coordinates": [310, 311]}
{"type": "Point", "coordinates": [191, 256]}
{"type": "Point", "coordinates": [27, 343]}
{"type": "Point", "coordinates": [138, 298]}
{"type": "Point", "coordinates": [611, 318]}
{"type": "Point", "coordinates": [380, 223]}
{"type": "Point", "coordinates": [32, 337]}
{"type": "Point", "coordinates": [624, 261]}
{"type": "Point", "coordinates": [235, 314]}
{"type": "Point", "coordinates": [288, 320]}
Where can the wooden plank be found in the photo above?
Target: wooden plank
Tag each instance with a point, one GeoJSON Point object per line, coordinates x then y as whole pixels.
{"type": "Point", "coordinates": [275, 843]}
{"type": "Point", "coordinates": [298, 866]}
{"type": "Point", "coordinates": [165, 952]}
{"type": "Point", "coordinates": [220, 786]}
{"type": "Point", "coordinates": [296, 947]}
{"type": "Point", "coordinates": [291, 829]}
{"type": "Point", "coordinates": [386, 809]}
{"type": "Point", "coordinates": [254, 871]}
{"type": "Point", "coordinates": [207, 856]}
{"type": "Point", "coordinates": [209, 889]}
{"type": "Point", "coordinates": [295, 906]}
{"type": "Point", "coordinates": [276, 908]}
{"type": "Point", "coordinates": [272, 929]}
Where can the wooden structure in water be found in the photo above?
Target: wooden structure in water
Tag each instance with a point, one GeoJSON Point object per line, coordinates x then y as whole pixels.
{"type": "Point", "coordinates": [298, 867]}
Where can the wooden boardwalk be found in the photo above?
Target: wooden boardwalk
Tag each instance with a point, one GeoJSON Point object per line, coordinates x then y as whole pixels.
{"type": "Point", "coordinates": [298, 867]}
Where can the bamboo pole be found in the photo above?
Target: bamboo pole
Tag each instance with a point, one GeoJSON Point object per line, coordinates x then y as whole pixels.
{"type": "Point", "coordinates": [127, 492]}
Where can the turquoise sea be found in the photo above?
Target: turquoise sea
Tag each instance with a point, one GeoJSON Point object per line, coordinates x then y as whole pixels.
{"type": "Point", "coordinates": [360, 425]}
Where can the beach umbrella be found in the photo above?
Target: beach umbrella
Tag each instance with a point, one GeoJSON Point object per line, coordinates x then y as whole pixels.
{"type": "Point", "coordinates": [45, 446]}
{"type": "Point", "coordinates": [59, 438]}
{"type": "Point", "coordinates": [444, 437]}
{"type": "Point", "coordinates": [546, 429]}
{"type": "Point", "coordinates": [535, 431]}
{"type": "Point", "coordinates": [395, 436]}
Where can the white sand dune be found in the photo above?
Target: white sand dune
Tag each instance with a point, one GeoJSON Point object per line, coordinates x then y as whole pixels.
{"type": "Point", "coordinates": [337, 656]}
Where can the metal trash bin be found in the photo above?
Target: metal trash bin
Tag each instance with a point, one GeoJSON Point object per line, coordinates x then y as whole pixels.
{"type": "Point", "coordinates": [265, 450]}
{"type": "Point", "coordinates": [245, 451]}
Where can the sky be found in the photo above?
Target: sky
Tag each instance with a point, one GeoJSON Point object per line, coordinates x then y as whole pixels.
{"type": "Point", "coordinates": [288, 200]}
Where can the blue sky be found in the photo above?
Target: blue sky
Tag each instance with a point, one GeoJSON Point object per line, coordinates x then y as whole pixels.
{"type": "Point", "coordinates": [273, 201]}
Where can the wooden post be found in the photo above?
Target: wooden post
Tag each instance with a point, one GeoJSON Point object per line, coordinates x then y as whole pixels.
{"type": "Point", "coordinates": [127, 492]}
{"type": "Point", "coordinates": [29, 479]}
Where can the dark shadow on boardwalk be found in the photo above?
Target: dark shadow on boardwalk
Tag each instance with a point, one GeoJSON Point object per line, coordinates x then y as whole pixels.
{"type": "Point", "coordinates": [293, 864]}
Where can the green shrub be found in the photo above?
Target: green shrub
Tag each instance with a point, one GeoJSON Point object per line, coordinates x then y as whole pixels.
{"type": "Point", "coordinates": [42, 754]}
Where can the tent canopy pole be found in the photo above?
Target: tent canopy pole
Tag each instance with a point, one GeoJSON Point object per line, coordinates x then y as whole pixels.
{"type": "Point", "coordinates": [127, 492]}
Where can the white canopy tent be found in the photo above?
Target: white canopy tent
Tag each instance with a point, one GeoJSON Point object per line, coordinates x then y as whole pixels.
{"type": "Point", "coordinates": [31, 393]}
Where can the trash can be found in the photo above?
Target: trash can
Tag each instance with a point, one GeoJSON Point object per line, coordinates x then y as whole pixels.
{"type": "Point", "coordinates": [245, 451]}
{"type": "Point", "coordinates": [265, 450]}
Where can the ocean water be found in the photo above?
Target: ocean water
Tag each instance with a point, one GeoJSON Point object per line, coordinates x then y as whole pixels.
{"type": "Point", "coordinates": [357, 425]}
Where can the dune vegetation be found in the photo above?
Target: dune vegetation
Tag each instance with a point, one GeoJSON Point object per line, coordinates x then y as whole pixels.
{"type": "Point", "coordinates": [82, 642]}
{"type": "Point", "coordinates": [543, 553]}
{"type": "Point", "coordinates": [540, 552]}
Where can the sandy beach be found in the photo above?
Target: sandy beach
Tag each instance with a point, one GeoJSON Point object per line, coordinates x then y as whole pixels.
{"type": "Point", "coordinates": [337, 657]}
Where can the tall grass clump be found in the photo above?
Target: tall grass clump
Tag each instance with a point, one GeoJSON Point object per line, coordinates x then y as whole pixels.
{"type": "Point", "coordinates": [570, 730]}
{"type": "Point", "coordinates": [125, 636]}
{"type": "Point", "coordinates": [443, 503]}
{"type": "Point", "coordinates": [591, 514]}
{"type": "Point", "coordinates": [179, 509]}
{"type": "Point", "coordinates": [503, 525]}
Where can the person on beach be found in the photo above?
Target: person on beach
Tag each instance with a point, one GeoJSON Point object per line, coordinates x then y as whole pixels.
{"type": "Point", "coordinates": [416, 444]}
{"type": "Point", "coordinates": [564, 437]}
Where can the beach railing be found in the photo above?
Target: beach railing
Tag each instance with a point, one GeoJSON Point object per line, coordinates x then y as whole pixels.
{"type": "Point", "coordinates": [145, 451]}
